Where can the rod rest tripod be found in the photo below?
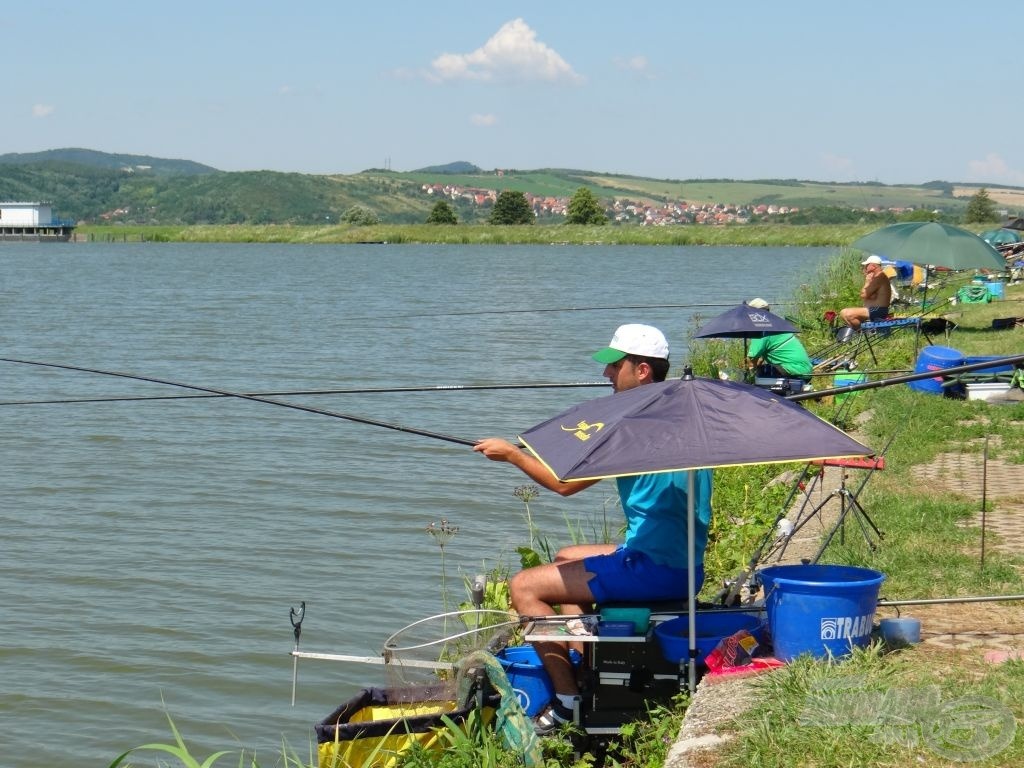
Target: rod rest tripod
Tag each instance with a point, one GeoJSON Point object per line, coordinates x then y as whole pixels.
{"type": "Point", "coordinates": [847, 503]}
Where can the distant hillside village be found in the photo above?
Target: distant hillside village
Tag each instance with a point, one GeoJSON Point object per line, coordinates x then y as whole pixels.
{"type": "Point", "coordinates": [628, 211]}
{"type": "Point", "coordinates": [623, 211]}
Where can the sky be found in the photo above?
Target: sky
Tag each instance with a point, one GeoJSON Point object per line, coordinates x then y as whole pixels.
{"type": "Point", "coordinates": [896, 92]}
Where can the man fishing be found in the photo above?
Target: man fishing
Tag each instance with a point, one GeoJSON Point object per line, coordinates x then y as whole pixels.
{"type": "Point", "coordinates": [650, 564]}
{"type": "Point", "coordinates": [780, 354]}
{"type": "Point", "coordinates": [876, 293]}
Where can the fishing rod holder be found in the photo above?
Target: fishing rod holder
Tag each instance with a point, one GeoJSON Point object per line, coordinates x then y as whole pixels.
{"type": "Point", "coordinates": [848, 504]}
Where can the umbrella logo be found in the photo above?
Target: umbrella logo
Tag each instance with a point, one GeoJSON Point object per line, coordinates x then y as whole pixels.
{"type": "Point", "coordinates": [759, 318]}
{"type": "Point", "coordinates": [583, 430]}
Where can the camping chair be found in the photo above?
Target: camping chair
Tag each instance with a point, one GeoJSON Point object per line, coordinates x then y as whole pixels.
{"type": "Point", "coordinates": [883, 329]}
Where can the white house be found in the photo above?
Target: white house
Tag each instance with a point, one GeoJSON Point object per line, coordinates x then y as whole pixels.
{"type": "Point", "coordinates": [25, 214]}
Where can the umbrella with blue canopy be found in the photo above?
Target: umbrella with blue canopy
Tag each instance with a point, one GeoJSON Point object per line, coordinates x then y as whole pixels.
{"type": "Point", "coordinates": [683, 424]}
{"type": "Point", "coordinates": [745, 322]}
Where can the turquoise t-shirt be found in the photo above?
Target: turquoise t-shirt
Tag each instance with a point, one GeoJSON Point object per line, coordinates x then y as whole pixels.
{"type": "Point", "coordinates": [655, 508]}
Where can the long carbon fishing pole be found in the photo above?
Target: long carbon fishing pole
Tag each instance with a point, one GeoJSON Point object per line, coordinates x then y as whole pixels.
{"type": "Point", "coordinates": [544, 310]}
{"type": "Point", "coordinates": [345, 391]}
{"type": "Point", "coordinates": [953, 370]}
{"type": "Point", "coordinates": [242, 396]}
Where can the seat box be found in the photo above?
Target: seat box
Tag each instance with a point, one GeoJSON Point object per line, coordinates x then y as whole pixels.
{"type": "Point", "coordinates": [637, 691]}
{"type": "Point", "coordinates": [623, 657]}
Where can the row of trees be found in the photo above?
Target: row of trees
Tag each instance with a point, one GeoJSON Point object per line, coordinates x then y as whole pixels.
{"type": "Point", "coordinates": [512, 207]}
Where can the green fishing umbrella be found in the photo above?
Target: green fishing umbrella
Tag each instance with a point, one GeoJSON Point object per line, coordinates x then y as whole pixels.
{"type": "Point", "coordinates": [997, 237]}
{"type": "Point", "coordinates": [932, 243]}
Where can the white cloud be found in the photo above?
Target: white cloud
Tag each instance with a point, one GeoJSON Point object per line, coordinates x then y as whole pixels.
{"type": "Point", "coordinates": [42, 110]}
{"type": "Point", "coordinates": [638, 66]}
{"type": "Point", "coordinates": [483, 120]}
{"type": "Point", "coordinates": [512, 54]}
{"type": "Point", "coordinates": [993, 168]}
{"type": "Point", "coordinates": [631, 64]}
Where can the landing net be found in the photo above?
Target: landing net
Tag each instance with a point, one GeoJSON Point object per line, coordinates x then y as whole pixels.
{"type": "Point", "coordinates": [427, 651]}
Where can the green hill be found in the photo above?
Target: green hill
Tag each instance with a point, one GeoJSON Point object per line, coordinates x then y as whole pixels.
{"type": "Point", "coordinates": [93, 159]}
{"type": "Point", "coordinates": [460, 166]}
{"type": "Point", "coordinates": [97, 187]}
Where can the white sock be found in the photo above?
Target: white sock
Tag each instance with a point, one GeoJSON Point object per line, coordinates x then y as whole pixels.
{"type": "Point", "coordinates": [567, 700]}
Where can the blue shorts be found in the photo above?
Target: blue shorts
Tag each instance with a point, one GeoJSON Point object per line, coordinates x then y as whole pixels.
{"type": "Point", "coordinates": [877, 314]}
{"type": "Point", "coordinates": [629, 576]}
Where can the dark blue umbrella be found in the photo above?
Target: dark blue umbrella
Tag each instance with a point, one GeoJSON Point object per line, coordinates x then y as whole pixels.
{"type": "Point", "coordinates": [745, 322]}
{"type": "Point", "coordinates": [687, 423]}
{"type": "Point", "coordinates": [683, 424]}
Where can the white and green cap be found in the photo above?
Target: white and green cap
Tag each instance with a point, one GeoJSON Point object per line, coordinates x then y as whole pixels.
{"type": "Point", "coordinates": [633, 339]}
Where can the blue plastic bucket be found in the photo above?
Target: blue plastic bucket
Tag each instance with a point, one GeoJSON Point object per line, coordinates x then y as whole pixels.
{"type": "Point", "coordinates": [712, 627]}
{"type": "Point", "coordinates": [823, 610]}
{"type": "Point", "coordinates": [900, 632]}
{"type": "Point", "coordinates": [935, 359]}
{"type": "Point", "coordinates": [996, 289]}
{"type": "Point", "coordinates": [528, 678]}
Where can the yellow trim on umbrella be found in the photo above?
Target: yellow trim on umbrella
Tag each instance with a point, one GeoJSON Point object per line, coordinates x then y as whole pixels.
{"type": "Point", "coordinates": [685, 469]}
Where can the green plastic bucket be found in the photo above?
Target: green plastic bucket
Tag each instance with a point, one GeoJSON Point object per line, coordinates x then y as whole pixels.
{"type": "Point", "coordinates": [845, 380]}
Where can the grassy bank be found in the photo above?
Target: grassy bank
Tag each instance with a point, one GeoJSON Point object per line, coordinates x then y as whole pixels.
{"type": "Point", "coordinates": [484, 234]}
{"type": "Point", "coordinates": [924, 705]}
{"type": "Point", "coordinates": [906, 702]}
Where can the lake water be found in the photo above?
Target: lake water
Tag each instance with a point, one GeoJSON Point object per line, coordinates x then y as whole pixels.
{"type": "Point", "coordinates": [152, 550]}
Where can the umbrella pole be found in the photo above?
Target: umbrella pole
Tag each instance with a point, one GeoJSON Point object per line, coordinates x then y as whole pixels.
{"type": "Point", "coordinates": [691, 578]}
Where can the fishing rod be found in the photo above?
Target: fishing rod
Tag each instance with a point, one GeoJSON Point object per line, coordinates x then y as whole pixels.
{"type": "Point", "coordinates": [544, 310]}
{"type": "Point", "coordinates": [345, 391]}
{"type": "Point", "coordinates": [815, 373]}
{"type": "Point", "coordinates": [967, 368]}
{"type": "Point", "coordinates": [254, 398]}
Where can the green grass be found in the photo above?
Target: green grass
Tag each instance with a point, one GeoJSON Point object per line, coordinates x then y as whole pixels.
{"type": "Point", "coordinates": [880, 709]}
{"type": "Point", "coordinates": [908, 700]}
{"type": "Point", "coordinates": [774, 235]}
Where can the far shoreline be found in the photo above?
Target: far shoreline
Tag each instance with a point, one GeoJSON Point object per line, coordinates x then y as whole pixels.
{"type": "Point", "coordinates": [752, 235]}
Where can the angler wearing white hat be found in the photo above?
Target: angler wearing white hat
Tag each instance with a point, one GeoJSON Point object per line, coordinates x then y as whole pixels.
{"type": "Point", "coordinates": [651, 563]}
{"type": "Point", "coordinates": [876, 293]}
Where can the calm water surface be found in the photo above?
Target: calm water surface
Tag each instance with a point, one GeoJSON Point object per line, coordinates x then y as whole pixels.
{"type": "Point", "coordinates": [152, 550]}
